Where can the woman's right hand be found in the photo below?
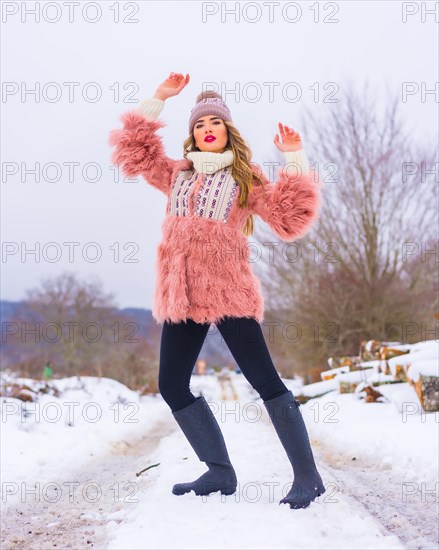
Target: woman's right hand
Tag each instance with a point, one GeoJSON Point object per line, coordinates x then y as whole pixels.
{"type": "Point", "coordinates": [171, 86]}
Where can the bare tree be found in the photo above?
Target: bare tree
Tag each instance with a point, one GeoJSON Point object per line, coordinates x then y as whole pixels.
{"type": "Point", "coordinates": [74, 316]}
{"type": "Point", "coordinates": [79, 328]}
{"type": "Point", "coordinates": [368, 268]}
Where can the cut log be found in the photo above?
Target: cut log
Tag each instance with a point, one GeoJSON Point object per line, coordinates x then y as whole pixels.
{"type": "Point", "coordinates": [347, 387]}
{"type": "Point", "coordinates": [427, 389]}
{"type": "Point", "coordinates": [388, 353]}
{"type": "Point", "coordinates": [423, 375]}
{"type": "Point", "coordinates": [372, 396]}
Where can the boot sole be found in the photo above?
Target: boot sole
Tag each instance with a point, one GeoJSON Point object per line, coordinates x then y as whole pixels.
{"type": "Point", "coordinates": [304, 504]}
{"type": "Point", "coordinates": [200, 494]}
{"type": "Point", "coordinates": [230, 490]}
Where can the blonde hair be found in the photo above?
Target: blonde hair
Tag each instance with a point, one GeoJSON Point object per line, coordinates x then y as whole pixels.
{"type": "Point", "coordinates": [243, 170]}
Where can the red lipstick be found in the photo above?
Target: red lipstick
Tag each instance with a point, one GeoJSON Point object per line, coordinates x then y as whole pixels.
{"type": "Point", "coordinates": [210, 138]}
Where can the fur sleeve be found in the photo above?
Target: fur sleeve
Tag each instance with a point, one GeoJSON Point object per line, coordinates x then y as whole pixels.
{"type": "Point", "coordinates": [290, 206]}
{"type": "Point", "coordinates": [138, 150]}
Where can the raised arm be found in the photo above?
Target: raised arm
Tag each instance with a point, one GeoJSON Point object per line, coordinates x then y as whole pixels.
{"type": "Point", "coordinates": [138, 150]}
{"type": "Point", "coordinates": [292, 204]}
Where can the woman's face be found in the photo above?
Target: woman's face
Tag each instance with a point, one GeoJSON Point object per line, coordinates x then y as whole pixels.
{"type": "Point", "coordinates": [210, 127]}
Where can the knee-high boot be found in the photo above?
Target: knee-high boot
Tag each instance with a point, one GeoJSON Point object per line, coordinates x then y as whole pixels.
{"type": "Point", "coordinates": [290, 427]}
{"type": "Point", "coordinates": [201, 429]}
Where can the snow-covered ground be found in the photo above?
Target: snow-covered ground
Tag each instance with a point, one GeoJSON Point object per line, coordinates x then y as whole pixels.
{"type": "Point", "coordinates": [379, 463]}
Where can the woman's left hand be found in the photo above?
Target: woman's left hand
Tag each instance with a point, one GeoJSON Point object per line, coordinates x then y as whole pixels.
{"type": "Point", "coordinates": [291, 140]}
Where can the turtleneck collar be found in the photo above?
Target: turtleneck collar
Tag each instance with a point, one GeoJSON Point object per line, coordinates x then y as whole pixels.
{"type": "Point", "coordinates": [206, 162]}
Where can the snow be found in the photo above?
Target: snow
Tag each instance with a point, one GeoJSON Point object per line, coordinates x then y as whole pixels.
{"type": "Point", "coordinates": [317, 388]}
{"type": "Point", "coordinates": [395, 439]}
{"type": "Point", "coordinates": [368, 376]}
{"type": "Point", "coordinates": [62, 433]}
{"type": "Point", "coordinates": [424, 367]}
{"type": "Point", "coordinates": [331, 372]}
{"type": "Point", "coordinates": [421, 350]}
{"type": "Point", "coordinates": [423, 359]}
{"type": "Point", "coordinates": [400, 440]}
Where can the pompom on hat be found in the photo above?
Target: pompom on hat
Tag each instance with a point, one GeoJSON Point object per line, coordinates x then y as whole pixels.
{"type": "Point", "coordinates": [209, 103]}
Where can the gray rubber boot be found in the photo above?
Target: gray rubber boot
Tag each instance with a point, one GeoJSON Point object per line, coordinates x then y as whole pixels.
{"type": "Point", "coordinates": [201, 429]}
{"type": "Point", "coordinates": [288, 422]}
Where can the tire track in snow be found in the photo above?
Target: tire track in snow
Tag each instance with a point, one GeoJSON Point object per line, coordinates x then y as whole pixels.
{"type": "Point", "coordinates": [414, 522]}
{"type": "Point", "coordinates": [81, 524]}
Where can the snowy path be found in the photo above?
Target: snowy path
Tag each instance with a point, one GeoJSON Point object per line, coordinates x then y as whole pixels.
{"type": "Point", "coordinates": [415, 522]}
{"type": "Point", "coordinates": [362, 508]}
{"type": "Point", "coordinates": [81, 524]}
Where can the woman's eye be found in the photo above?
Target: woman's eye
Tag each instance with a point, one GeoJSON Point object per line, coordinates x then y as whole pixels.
{"type": "Point", "coordinates": [200, 125]}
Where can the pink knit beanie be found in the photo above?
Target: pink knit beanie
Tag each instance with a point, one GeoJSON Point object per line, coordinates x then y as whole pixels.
{"type": "Point", "coordinates": [209, 103]}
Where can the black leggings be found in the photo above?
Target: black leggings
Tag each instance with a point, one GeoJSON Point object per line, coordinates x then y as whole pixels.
{"type": "Point", "coordinates": [181, 344]}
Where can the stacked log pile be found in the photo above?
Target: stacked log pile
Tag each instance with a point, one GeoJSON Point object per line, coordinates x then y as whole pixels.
{"type": "Point", "coordinates": [395, 363]}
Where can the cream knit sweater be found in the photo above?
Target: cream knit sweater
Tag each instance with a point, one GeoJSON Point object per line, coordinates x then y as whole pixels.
{"type": "Point", "coordinates": [205, 161]}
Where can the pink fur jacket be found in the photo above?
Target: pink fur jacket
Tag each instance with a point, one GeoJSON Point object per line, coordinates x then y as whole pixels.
{"type": "Point", "coordinates": [202, 264]}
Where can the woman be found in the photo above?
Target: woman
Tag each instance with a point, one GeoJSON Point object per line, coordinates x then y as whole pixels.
{"type": "Point", "coordinates": [203, 272]}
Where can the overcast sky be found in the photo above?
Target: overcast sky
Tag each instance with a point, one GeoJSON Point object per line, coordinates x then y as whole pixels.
{"type": "Point", "coordinates": [124, 54]}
